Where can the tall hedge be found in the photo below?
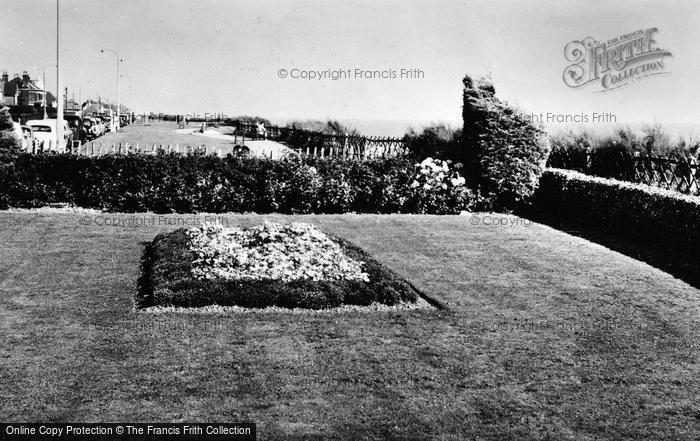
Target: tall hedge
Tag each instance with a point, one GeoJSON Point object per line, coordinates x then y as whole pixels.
{"type": "Point", "coordinates": [9, 149]}
{"type": "Point", "coordinates": [504, 152]}
{"type": "Point", "coordinates": [167, 183]}
{"type": "Point", "coordinates": [9, 144]}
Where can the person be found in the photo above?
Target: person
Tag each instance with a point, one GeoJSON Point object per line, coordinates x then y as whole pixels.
{"type": "Point", "coordinates": [262, 131]}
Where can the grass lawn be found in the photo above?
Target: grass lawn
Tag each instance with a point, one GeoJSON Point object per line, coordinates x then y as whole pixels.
{"type": "Point", "coordinates": [546, 336]}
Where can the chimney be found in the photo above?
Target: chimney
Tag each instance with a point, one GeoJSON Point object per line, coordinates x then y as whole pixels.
{"type": "Point", "coordinates": [5, 77]}
{"type": "Point", "coordinates": [25, 77]}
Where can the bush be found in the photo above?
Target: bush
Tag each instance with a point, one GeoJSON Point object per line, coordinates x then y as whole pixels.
{"type": "Point", "coordinates": [167, 280]}
{"type": "Point", "coordinates": [653, 215]}
{"type": "Point", "coordinates": [504, 153]}
{"type": "Point", "coordinates": [9, 144]}
{"type": "Point", "coordinates": [435, 141]}
{"type": "Point", "coordinates": [166, 183]}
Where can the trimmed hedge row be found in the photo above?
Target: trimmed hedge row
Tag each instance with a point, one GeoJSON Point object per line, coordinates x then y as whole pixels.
{"type": "Point", "coordinates": [168, 183]}
{"type": "Point", "coordinates": [654, 215]}
{"type": "Point", "coordinates": [166, 280]}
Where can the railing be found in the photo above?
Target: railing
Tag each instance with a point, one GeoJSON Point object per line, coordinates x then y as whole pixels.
{"type": "Point", "coordinates": [96, 148]}
{"type": "Point", "coordinates": [680, 174]}
{"type": "Point", "coordinates": [303, 142]}
{"type": "Point", "coordinates": [324, 144]}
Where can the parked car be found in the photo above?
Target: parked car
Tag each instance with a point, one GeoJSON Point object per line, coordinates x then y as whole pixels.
{"type": "Point", "coordinates": [45, 132]}
{"type": "Point", "coordinates": [101, 125]}
{"type": "Point", "coordinates": [75, 122]}
{"type": "Point", "coordinates": [88, 124]}
{"type": "Point", "coordinates": [108, 123]}
{"type": "Point", "coordinates": [98, 128]}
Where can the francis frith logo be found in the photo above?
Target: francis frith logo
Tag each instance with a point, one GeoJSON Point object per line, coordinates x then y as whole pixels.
{"type": "Point", "coordinates": [616, 62]}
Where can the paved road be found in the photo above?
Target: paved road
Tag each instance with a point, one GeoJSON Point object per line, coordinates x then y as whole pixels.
{"type": "Point", "coordinates": [264, 147]}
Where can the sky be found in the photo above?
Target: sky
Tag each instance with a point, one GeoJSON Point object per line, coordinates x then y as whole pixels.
{"type": "Point", "coordinates": [216, 56]}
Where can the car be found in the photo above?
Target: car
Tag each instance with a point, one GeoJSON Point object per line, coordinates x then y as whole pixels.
{"type": "Point", "coordinates": [88, 123]}
{"type": "Point", "coordinates": [97, 129]}
{"type": "Point", "coordinates": [75, 122]}
{"type": "Point", "coordinates": [45, 133]}
{"type": "Point", "coordinates": [101, 125]}
{"type": "Point", "coordinates": [108, 123]}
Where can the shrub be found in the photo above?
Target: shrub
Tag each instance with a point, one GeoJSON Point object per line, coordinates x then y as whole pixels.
{"type": "Point", "coordinates": [437, 188]}
{"type": "Point", "coordinates": [650, 214]}
{"type": "Point", "coordinates": [436, 141]}
{"type": "Point", "coordinates": [199, 267]}
{"type": "Point", "coordinates": [9, 149]}
{"type": "Point", "coordinates": [504, 152]}
{"type": "Point", "coordinates": [166, 183]}
{"type": "Point", "coordinates": [329, 127]}
{"type": "Point", "coordinates": [9, 144]}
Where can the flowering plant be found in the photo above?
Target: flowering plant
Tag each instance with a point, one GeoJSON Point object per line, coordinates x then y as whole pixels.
{"type": "Point", "coordinates": [439, 188]}
{"type": "Point", "coordinates": [270, 251]}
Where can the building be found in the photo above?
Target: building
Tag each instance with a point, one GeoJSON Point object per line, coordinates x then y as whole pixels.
{"type": "Point", "coordinates": [23, 91]}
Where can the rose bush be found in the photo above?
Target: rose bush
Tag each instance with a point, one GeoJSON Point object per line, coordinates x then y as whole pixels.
{"type": "Point", "coordinates": [437, 188]}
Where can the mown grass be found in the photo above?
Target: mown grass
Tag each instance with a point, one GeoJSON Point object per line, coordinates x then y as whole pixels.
{"type": "Point", "coordinates": [547, 336]}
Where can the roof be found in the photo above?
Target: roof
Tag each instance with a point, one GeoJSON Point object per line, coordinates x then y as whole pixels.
{"type": "Point", "coordinates": [44, 122]}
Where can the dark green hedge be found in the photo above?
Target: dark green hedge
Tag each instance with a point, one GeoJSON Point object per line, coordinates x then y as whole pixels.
{"type": "Point", "coordinates": [166, 280]}
{"type": "Point", "coordinates": [658, 217]}
{"type": "Point", "coordinates": [504, 152]}
{"type": "Point", "coordinates": [167, 183]}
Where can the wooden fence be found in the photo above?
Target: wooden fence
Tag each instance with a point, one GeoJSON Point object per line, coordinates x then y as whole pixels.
{"type": "Point", "coordinates": [97, 148]}
{"type": "Point", "coordinates": [680, 174]}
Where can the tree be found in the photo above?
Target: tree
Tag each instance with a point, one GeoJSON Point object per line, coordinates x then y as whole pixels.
{"type": "Point", "coordinates": [9, 144]}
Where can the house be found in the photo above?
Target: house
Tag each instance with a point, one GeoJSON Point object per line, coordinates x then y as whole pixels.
{"type": "Point", "coordinates": [23, 91]}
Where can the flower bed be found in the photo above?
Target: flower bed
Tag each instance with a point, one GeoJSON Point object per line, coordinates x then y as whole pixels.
{"type": "Point", "coordinates": [291, 266]}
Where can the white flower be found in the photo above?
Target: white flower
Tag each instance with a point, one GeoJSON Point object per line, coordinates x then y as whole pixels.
{"type": "Point", "coordinates": [456, 182]}
{"type": "Point", "coordinates": [270, 251]}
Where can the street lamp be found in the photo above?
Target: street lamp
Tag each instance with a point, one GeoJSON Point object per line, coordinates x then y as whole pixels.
{"type": "Point", "coordinates": [43, 68]}
{"type": "Point", "coordinates": [131, 111]}
{"type": "Point", "coordinates": [59, 102]}
{"type": "Point", "coordinates": [118, 61]}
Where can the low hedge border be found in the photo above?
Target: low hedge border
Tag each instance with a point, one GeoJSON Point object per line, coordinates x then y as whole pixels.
{"type": "Point", "coordinates": [166, 280]}
{"type": "Point", "coordinates": [659, 217]}
{"type": "Point", "coordinates": [167, 183]}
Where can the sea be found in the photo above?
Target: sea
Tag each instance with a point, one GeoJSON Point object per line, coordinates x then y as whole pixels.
{"type": "Point", "coordinates": [386, 127]}
{"type": "Point", "coordinates": [399, 127]}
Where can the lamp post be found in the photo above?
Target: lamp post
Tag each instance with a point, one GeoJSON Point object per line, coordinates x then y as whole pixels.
{"type": "Point", "coordinates": [131, 111]}
{"type": "Point", "coordinates": [43, 68]}
{"type": "Point", "coordinates": [118, 61]}
{"type": "Point", "coordinates": [59, 102]}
